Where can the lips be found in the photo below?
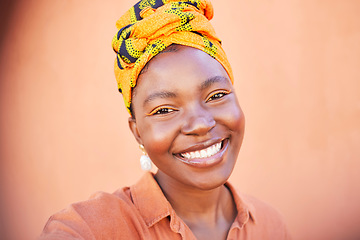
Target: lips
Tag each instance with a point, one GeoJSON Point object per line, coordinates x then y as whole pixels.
{"type": "Point", "coordinates": [206, 157]}
{"type": "Point", "coordinates": [204, 153]}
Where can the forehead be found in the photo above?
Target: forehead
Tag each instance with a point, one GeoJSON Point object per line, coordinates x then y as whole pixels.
{"type": "Point", "coordinates": [183, 67]}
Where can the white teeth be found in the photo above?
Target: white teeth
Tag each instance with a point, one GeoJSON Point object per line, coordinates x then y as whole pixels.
{"type": "Point", "coordinates": [204, 153]}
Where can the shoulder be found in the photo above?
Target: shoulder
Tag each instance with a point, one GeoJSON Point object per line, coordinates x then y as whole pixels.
{"type": "Point", "coordinates": [262, 211]}
{"type": "Point", "coordinates": [259, 211]}
{"type": "Point", "coordinates": [266, 218]}
{"type": "Point", "coordinates": [104, 205]}
{"type": "Point", "coordinates": [262, 221]}
{"type": "Point", "coordinates": [101, 216]}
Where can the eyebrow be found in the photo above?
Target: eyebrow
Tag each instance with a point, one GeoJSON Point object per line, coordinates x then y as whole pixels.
{"type": "Point", "coordinates": [162, 94]}
{"type": "Point", "coordinates": [167, 94]}
{"type": "Point", "coordinates": [210, 81]}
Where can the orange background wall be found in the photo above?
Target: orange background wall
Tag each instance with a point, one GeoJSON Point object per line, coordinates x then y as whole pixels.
{"type": "Point", "coordinates": [64, 132]}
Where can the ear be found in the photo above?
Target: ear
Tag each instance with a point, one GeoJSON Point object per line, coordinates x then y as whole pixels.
{"type": "Point", "coordinates": [134, 129]}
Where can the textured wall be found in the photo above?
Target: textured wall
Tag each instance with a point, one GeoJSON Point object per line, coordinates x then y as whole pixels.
{"type": "Point", "coordinates": [64, 132]}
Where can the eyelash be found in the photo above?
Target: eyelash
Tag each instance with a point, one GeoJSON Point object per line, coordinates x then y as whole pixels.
{"type": "Point", "coordinates": [167, 110]}
{"type": "Point", "coordinates": [161, 110]}
{"type": "Point", "coordinates": [213, 97]}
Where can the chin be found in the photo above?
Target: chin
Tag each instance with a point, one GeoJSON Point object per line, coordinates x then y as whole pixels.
{"type": "Point", "coordinates": [212, 179]}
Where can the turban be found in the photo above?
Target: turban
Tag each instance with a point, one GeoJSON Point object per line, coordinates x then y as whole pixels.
{"type": "Point", "coordinates": [152, 25]}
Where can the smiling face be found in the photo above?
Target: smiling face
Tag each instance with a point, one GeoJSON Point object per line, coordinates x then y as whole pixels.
{"type": "Point", "coordinates": [188, 118]}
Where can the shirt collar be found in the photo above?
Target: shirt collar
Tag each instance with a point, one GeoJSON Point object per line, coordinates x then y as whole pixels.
{"type": "Point", "coordinates": [153, 205]}
{"type": "Point", "coordinates": [246, 210]}
{"type": "Point", "coordinates": [149, 199]}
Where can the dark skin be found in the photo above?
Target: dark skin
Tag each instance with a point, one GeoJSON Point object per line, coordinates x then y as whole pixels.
{"type": "Point", "coordinates": [192, 127]}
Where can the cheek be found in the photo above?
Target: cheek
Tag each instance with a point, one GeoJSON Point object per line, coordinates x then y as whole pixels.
{"type": "Point", "coordinates": [232, 116]}
{"type": "Point", "coordinates": [158, 137]}
{"type": "Point", "coordinates": [238, 120]}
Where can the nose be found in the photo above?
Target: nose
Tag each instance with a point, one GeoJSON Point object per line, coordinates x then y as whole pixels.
{"type": "Point", "coordinates": [198, 121]}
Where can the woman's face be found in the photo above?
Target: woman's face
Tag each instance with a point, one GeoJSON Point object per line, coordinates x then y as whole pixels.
{"type": "Point", "coordinates": [188, 118]}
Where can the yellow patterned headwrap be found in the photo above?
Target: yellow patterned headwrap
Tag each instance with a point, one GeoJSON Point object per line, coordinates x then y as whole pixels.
{"type": "Point", "coordinates": [152, 25]}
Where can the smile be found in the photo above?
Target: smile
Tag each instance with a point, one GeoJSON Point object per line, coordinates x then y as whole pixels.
{"type": "Point", "coordinates": [207, 157]}
{"type": "Point", "coordinates": [204, 153]}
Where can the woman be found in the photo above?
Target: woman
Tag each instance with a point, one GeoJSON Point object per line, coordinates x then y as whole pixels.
{"type": "Point", "coordinates": [177, 85]}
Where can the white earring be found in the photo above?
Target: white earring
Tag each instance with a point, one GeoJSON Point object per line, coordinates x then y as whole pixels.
{"type": "Point", "coordinates": [145, 161]}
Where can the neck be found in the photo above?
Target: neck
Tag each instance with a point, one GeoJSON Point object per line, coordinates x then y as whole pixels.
{"type": "Point", "coordinates": [197, 206]}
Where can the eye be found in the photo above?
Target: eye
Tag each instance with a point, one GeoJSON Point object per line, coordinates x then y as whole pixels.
{"type": "Point", "coordinates": [217, 95]}
{"type": "Point", "coordinates": [161, 111]}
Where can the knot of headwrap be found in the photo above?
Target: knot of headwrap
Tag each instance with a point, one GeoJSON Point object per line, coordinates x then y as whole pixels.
{"type": "Point", "coordinates": [152, 25]}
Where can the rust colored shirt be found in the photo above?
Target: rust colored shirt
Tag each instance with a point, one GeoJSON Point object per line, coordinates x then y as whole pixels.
{"type": "Point", "coordinates": [142, 212]}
